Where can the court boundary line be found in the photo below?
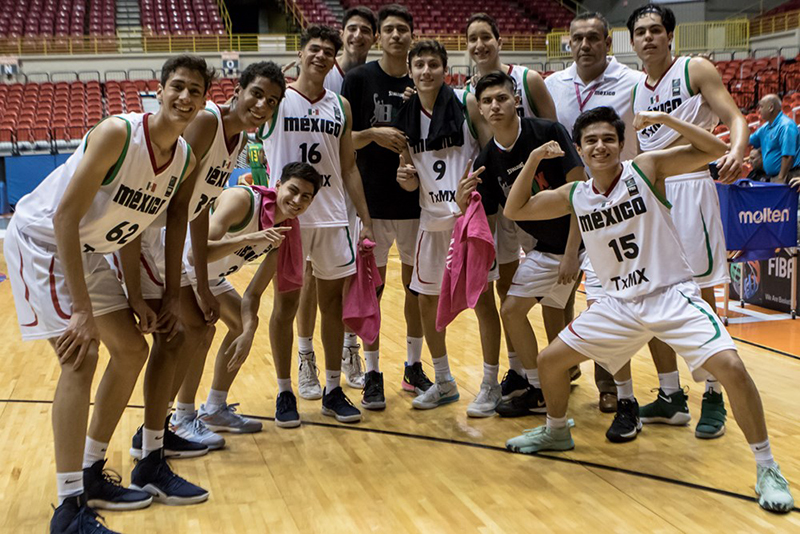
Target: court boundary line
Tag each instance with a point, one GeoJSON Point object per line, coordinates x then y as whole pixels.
{"type": "Point", "coordinates": [485, 446]}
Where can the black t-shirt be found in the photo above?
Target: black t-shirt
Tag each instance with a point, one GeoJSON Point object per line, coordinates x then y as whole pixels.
{"type": "Point", "coordinates": [375, 98]}
{"type": "Point", "coordinates": [503, 167]}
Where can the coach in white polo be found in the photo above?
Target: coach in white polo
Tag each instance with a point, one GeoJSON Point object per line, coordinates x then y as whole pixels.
{"type": "Point", "coordinates": [595, 79]}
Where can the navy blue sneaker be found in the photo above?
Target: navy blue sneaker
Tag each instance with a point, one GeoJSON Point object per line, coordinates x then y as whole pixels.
{"type": "Point", "coordinates": [104, 489]}
{"type": "Point", "coordinates": [286, 415]}
{"type": "Point", "coordinates": [154, 475]}
{"type": "Point", "coordinates": [174, 445]}
{"type": "Point", "coordinates": [513, 385]}
{"type": "Point", "coordinates": [336, 404]}
{"type": "Point", "coordinates": [74, 516]}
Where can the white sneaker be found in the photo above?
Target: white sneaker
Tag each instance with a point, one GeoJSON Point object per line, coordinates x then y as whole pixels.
{"type": "Point", "coordinates": [307, 380]}
{"type": "Point", "coordinates": [486, 401]}
{"type": "Point", "coordinates": [351, 367]}
{"type": "Point", "coordinates": [194, 429]}
{"type": "Point", "coordinates": [438, 394]}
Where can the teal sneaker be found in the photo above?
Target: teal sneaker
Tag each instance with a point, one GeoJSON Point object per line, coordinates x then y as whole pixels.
{"type": "Point", "coordinates": [541, 439]}
{"type": "Point", "coordinates": [437, 395]}
{"type": "Point", "coordinates": [773, 490]}
{"type": "Point", "coordinates": [712, 417]}
{"type": "Point", "coordinates": [667, 409]}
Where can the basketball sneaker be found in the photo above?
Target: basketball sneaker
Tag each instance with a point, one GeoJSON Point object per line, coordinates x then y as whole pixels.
{"type": "Point", "coordinates": [336, 404]}
{"type": "Point", "coordinates": [194, 429]}
{"type": "Point", "coordinates": [308, 376]}
{"type": "Point", "coordinates": [174, 445]}
{"type": "Point", "coordinates": [415, 379]}
{"type": "Point", "coordinates": [486, 401]}
{"type": "Point", "coordinates": [352, 367]}
{"type": "Point", "coordinates": [154, 475]}
{"type": "Point", "coordinates": [712, 416]}
{"type": "Point", "coordinates": [531, 402]}
{"type": "Point", "coordinates": [541, 439]}
{"type": "Point", "coordinates": [373, 398]}
{"type": "Point", "coordinates": [513, 385]}
{"type": "Point", "coordinates": [74, 516]}
{"type": "Point", "coordinates": [667, 409]}
{"type": "Point", "coordinates": [103, 489]}
{"type": "Point", "coordinates": [773, 490]}
{"type": "Point", "coordinates": [225, 419]}
{"type": "Point", "coordinates": [574, 373]}
{"type": "Point", "coordinates": [286, 415]}
{"type": "Point", "coordinates": [440, 393]}
{"type": "Point", "coordinates": [626, 423]}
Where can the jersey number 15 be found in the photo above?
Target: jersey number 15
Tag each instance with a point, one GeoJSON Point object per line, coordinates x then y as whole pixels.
{"type": "Point", "coordinates": [624, 246]}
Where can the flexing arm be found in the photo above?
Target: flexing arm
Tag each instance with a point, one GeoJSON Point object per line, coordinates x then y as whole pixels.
{"type": "Point", "coordinates": [351, 176]}
{"type": "Point", "coordinates": [706, 80]}
{"type": "Point", "coordinates": [521, 205]}
{"type": "Point", "coordinates": [105, 144]}
{"type": "Point", "coordinates": [479, 123]}
{"type": "Point", "coordinates": [539, 97]}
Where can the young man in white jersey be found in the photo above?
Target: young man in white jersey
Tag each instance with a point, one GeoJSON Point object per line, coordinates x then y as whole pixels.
{"type": "Point", "coordinates": [690, 89]}
{"type": "Point", "coordinates": [483, 45]}
{"type": "Point", "coordinates": [443, 138]}
{"type": "Point", "coordinates": [637, 254]}
{"type": "Point", "coordinates": [313, 125]}
{"type": "Point", "coordinates": [595, 79]}
{"type": "Point", "coordinates": [218, 134]}
{"type": "Point", "coordinates": [375, 92]}
{"type": "Point", "coordinates": [233, 240]}
{"type": "Point", "coordinates": [128, 170]}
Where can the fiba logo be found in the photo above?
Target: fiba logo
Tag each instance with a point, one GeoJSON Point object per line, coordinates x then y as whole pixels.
{"type": "Point", "coordinates": [750, 272]}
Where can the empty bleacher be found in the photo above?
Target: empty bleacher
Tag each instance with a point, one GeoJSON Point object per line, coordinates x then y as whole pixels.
{"type": "Point", "coordinates": [181, 17]}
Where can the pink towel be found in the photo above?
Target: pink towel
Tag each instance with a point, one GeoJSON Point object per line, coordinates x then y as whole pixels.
{"type": "Point", "coordinates": [290, 254]}
{"type": "Point", "coordinates": [360, 309]}
{"type": "Point", "coordinates": [469, 261]}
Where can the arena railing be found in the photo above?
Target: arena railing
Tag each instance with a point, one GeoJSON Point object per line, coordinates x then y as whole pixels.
{"type": "Point", "coordinates": [774, 24]}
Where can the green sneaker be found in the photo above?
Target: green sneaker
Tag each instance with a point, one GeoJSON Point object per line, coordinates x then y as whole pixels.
{"type": "Point", "coordinates": [541, 439]}
{"type": "Point", "coordinates": [773, 490]}
{"type": "Point", "coordinates": [668, 409]}
{"type": "Point", "coordinates": [712, 417]}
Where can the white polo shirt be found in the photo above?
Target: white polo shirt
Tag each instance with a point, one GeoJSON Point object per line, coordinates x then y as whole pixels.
{"type": "Point", "coordinates": [613, 88]}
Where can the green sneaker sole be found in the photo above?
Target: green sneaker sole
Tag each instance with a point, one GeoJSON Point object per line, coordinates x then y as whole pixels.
{"type": "Point", "coordinates": [711, 433]}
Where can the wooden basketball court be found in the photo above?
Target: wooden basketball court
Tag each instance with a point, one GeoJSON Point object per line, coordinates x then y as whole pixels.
{"type": "Point", "coordinates": [404, 470]}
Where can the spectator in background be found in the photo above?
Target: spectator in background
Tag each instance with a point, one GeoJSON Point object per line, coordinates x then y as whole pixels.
{"type": "Point", "coordinates": [757, 166]}
{"type": "Point", "coordinates": [777, 139]}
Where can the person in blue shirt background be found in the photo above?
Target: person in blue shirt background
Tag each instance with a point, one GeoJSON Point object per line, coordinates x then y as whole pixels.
{"type": "Point", "coordinates": [777, 139]}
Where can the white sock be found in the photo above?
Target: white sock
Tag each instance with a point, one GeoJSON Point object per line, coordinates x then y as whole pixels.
{"type": "Point", "coordinates": [152, 440]}
{"type": "Point", "coordinates": [413, 350]}
{"type": "Point", "coordinates": [624, 389]}
{"type": "Point", "coordinates": [332, 380]}
{"type": "Point", "coordinates": [350, 339]}
{"type": "Point", "coordinates": [93, 451]}
{"type": "Point", "coordinates": [305, 344]}
{"type": "Point", "coordinates": [515, 364]}
{"type": "Point", "coordinates": [669, 382]}
{"type": "Point", "coordinates": [216, 400]}
{"type": "Point", "coordinates": [371, 357]}
{"type": "Point", "coordinates": [441, 368]}
{"type": "Point", "coordinates": [185, 410]}
{"type": "Point", "coordinates": [69, 485]}
{"type": "Point", "coordinates": [763, 453]}
{"type": "Point", "coordinates": [490, 373]}
{"type": "Point", "coordinates": [284, 384]}
{"type": "Point", "coordinates": [556, 423]}
{"type": "Point", "coordinates": [712, 384]}
{"type": "Point", "coordinates": [533, 377]}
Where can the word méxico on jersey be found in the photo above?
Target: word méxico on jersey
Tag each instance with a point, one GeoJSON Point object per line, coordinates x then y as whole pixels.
{"type": "Point", "coordinates": [142, 200]}
{"type": "Point", "coordinates": [613, 215]}
{"type": "Point", "coordinates": [312, 124]}
{"type": "Point", "coordinates": [667, 106]}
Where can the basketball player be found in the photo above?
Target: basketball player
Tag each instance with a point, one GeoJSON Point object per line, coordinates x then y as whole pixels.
{"type": "Point", "coordinates": [313, 125]}
{"type": "Point", "coordinates": [483, 45]}
{"type": "Point", "coordinates": [548, 272]}
{"type": "Point", "coordinates": [442, 140]}
{"type": "Point", "coordinates": [650, 291]}
{"type": "Point", "coordinates": [689, 89]}
{"type": "Point", "coordinates": [358, 36]}
{"type": "Point", "coordinates": [124, 174]}
{"type": "Point", "coordinates": [595, 79]}
{"type": "Point", "coordinates": [218, 134]}
{"type": "Point", "coordinates": [375, 92]}
{"type": "Point", "coordinates": [234, 240]}
{"type": "Point", "coordinates": [259, 170]}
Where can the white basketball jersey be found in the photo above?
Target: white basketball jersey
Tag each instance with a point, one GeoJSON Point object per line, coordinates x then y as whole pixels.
{"type": "Point", "coordinates": [310, 131]}
{"type": "Point", "coordinates": [629, 235]}
{"type": "Point", "coordinates": [334, 79]}
{"type": "Point", "coordinates": [215, 166]}
{"type": "Point", "coordinates": [520, 76]}
{"type": "Point", "coordinates": [672, 94]}
{"type": "Point", "coordinates": [233, 262]}
{"type": "Point", "coordinates": [439, 172]}
{"type": "Point", "coordinates": [132, 196]}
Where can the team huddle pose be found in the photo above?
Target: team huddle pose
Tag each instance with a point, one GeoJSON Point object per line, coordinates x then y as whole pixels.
{"type": "Point", "coordinates": [598, 169]}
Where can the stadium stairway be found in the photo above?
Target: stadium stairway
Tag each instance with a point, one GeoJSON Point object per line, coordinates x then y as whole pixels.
{"type": "Point", "coordinates": [129, 25]}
